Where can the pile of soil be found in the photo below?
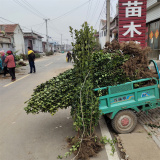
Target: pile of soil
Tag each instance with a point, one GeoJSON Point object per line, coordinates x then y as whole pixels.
{"type": "Point", "coordinates": [21, 63]}
{"type": "Point", "coordinates": [89, 147]}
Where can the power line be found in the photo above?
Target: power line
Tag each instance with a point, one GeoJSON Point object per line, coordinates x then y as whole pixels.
{"type": "Point", "coordinates": [54, 28]}
{"type": "Point", "coordinates": [1, 21]}
{"type": "Point", "coordinates": [40, 26]}
{"type": "Point", "coordinates": [89, 7]}
{"type": "Point", "coordinates": [21, 26]}
{"type": "Point", "coordinates": [100, 14]}
{"type": "Point", "coordinates": [36, 24]}
{"type": "Point", "coordinates": [104, 12]}
{"type": "Point", "coordinates": [22, 5]}
{"type": "Point", "coordinates": [28, 4]}
{"type": "Point", "coordinates": [70, 11]}
{"type": "Point", "coordinates": [26, 28]}
{"type": "Point", "coordinates": [112, 9]}
{"type": "Point", "coordinates": [95, 9]}
{"type": "Point", "coordinates": [8, 20]}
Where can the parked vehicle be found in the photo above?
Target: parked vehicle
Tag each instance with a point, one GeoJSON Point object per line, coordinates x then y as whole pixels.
{"type": "Point", "coordinates": [123, 101]}
{"type": "Point", "coordinates": [1, 68]}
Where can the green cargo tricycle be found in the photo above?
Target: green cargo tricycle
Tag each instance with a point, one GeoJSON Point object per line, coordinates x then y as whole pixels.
{"type": "Point", "coordinates": [123, 101]}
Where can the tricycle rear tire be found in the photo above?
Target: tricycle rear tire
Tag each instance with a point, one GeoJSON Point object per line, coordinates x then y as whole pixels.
{"type": "Point", "coordinates": [124, 121]}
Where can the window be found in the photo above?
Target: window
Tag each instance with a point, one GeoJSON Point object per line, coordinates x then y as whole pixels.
{"type": "Point", "coordinates": [154, 35]}
{"type": "Point", "coordinates": [1, 45]}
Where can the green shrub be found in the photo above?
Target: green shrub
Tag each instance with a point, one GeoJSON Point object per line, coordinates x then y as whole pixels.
{"type": "Point", "coordinates": [17, 57]}
{"type": "Point", "coordinates": [24, 56]}
{"type": "Point", "coordinates": [49, 53]}
{"type": "Point", "coordinates": [37, 55]}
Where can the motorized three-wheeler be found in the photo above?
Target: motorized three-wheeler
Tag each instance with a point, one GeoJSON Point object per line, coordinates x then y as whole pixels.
{"type": "Point", "coordinates": [125, 100]}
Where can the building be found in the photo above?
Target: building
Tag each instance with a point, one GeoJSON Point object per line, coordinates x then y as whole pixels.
{"type": "Point", "coordinates": [102, 33]}
{"type": "Point", "coordinates": [114, 28]}
{"type": "Point", "coordinates": [5, 42]}
{"type": "Point", "coordinates": [50, 46]}
{"type": "Point", "coordinates": [57, 47]}
{"type": "Point", "coordinates": [113, 31]}
{"type": "Point", "coordinates": [15, 33]}
{"type": "Point", "coordinates": [67, 47]}
{"type": "Point", "coordinates": [153, 27]}
{"type": "Point", "coordinates": [34, 41]}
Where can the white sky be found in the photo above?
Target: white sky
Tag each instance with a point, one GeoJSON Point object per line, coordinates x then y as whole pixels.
{"type": "Point", "coordinates": [17, 12]}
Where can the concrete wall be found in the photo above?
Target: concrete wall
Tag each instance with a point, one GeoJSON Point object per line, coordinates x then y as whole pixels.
{"type": "Point", "coordinates": [26, 45]}
{"type": "Point", "coordinates": [50, 47]}
{"type": "Point", "coordinates": [151, 2]}
{"type": "Point", "coordinates": [153, 13]}
{"type": "Point", "coordinates": [102, 37]}
{"type": "Point", "coordinates": [19, 41]}
{"type": "Point", "coordinates": [6, 47]}
{"type": "Point", "coordinates": [5, 43]}
{"type": "Point", "coordinates": [37, 45]}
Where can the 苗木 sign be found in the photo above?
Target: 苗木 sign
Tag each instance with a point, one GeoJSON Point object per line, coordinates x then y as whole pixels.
{"type": "Point", "coordinates": [132, 21]}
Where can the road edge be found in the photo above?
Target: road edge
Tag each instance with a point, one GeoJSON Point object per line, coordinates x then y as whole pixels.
{"type": "Point", "coordinates": [105, 132]}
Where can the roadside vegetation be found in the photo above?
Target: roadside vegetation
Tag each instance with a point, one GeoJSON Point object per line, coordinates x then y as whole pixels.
{"type": "Point", "coordinates": [93, 68]}
{"type": "Point", "coordinates": [49, 53]}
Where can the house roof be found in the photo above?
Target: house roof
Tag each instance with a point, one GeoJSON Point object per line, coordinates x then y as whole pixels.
{"type": "Point", "coordinates": [9, 28]}
{"type": "Point", "coordinates": [103, 22]}
{"type": "Point", "coordinates": [116, 17]}
{"type": "Point", "coordinates": [26, 34]}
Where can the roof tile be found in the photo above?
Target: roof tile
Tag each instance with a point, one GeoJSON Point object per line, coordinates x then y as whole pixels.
{"type": "Point", "coordinates": [9, 28]}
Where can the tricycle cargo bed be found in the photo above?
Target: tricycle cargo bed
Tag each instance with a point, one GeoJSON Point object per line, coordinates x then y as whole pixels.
{"type": "Point", "coordinates": [126, 96]}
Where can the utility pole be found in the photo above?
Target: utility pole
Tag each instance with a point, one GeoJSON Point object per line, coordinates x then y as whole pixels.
{"type": "Point", "coordinates": [61, 42]}
{"type": "Point", "coordinates": [67, 45]}
{"type": "Point", "coordinates": [108, 20]}
{"type": "Point", "coordinates": [46, 33]}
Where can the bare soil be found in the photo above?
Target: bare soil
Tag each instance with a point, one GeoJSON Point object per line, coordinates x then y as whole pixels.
{"type": "Point", "coordinates": [89, 147]}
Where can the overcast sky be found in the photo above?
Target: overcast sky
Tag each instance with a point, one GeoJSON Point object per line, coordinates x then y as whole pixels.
{"type": "Point", "coordinates": [62, 14]}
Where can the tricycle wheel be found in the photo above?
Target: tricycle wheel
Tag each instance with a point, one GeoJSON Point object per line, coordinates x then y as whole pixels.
{"type": "Point", "coordinates": [124, 121]}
